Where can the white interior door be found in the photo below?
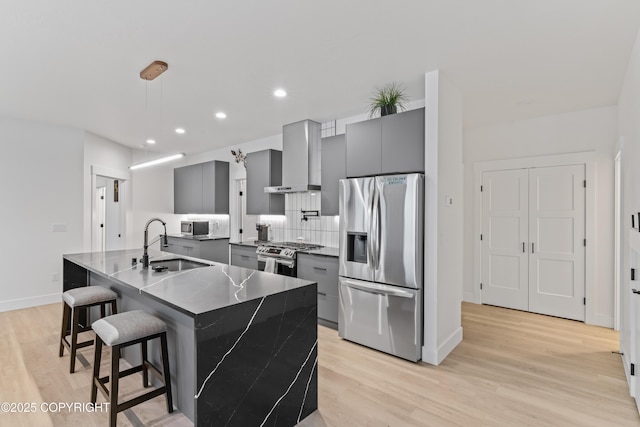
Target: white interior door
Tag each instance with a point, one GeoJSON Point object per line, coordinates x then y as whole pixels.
{"type": "Point", "coordinates": [505, 238]}
{"type": "Point", "coordinates": [557, 230]}
{"type": "Point", "coordinates": [100, 224]}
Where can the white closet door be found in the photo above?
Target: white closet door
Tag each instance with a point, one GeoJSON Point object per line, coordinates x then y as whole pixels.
{"type": "Point", "coordinates": [505, 227]}
{"type": "Point", "coordinates": [557, 230]}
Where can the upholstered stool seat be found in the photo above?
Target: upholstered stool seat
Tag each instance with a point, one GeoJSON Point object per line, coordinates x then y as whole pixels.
{"type": "Point", "coordinates": [119, 331]}
{"type": "Point", "coordinates": [75, 301]}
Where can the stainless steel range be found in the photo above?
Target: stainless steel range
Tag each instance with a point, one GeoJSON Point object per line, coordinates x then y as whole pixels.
{"type": "Point", "coordinates": [280, 257]}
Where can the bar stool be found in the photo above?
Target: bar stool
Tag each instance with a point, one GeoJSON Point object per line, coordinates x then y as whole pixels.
{"type": "Point", "coordinates": [75, 301]}
{"type": "Point", "coordinates": [119, 331]}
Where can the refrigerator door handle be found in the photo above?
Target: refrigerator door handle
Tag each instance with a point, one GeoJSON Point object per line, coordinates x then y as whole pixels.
{"type": "Point", "coordinates": [375, 226]}
{"type": "Point", "coordinates": [370, 244]}
{"type": "Point", "coordinates": [376, 290]}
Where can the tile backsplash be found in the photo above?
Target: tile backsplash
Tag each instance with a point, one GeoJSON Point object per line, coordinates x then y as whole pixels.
{"type": "Point", "coordinates": [322, 230]}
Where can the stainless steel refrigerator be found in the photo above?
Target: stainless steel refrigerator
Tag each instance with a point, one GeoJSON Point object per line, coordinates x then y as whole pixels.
{"type": "Point", "coordinates": [381, 263]}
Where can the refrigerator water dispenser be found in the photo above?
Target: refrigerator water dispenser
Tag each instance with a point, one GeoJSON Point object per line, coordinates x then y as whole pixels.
{"type": "Point", "coordinates": [357, 247]}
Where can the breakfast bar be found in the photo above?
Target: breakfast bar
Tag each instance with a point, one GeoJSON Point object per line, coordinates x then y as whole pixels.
{"type": "Point", "coordinates": [242, 343]}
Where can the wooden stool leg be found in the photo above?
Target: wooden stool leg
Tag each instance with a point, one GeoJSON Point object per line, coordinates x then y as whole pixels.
{"type": "Point", "coordinates": [114, 309]}
{"type": "Point", "coordinates": [103, 308]}
{"type": "Point", "coordinates": [113, 392]}
{"type": "Point", "coordinates": [74, 338]}
{"type": "Point", "coordinates": [145, 371]}
{"type": "Point", "coordinates": [97, 356]}
{"type": "Point", "coordinates": [165, 371]}
{"type": "Point", "coordinates": [66, 315]}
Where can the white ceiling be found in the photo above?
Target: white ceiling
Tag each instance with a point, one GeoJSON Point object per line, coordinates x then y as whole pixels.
{"type": "Point", "coordinates": [76, 62]}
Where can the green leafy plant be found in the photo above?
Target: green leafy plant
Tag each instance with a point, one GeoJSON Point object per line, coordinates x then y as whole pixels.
{"type": "Point", "coordinates": [388, 100]}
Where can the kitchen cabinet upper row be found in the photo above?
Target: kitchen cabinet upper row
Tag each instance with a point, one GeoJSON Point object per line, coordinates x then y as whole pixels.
{"type": "Point", "coordinates": [334, 168]}
{"type": "Point", "coordinates": [202, 188]}
{"type": "Point", "coordinates": [386, 145]}
{"type": "Point", "coordinates": [264, 169]}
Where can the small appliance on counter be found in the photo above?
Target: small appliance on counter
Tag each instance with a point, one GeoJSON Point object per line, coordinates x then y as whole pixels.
{"type": "Point", "coordinates": [194, 228]}
{"type": "Point", "coordinates": [263, 232]}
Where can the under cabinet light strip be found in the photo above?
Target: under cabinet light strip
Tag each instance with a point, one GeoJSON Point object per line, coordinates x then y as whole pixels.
{"type": "Point", "coordinates": [157, 161]}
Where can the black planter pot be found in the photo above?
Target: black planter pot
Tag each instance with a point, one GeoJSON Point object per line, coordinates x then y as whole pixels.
{"type": "Point", "coordinates": [385, 110]}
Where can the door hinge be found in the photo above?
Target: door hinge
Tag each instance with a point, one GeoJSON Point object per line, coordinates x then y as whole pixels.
{"type": "Point", "coordinates": [584, 183]}
{"type": "Point", "coordinates": [584, 301]}
{"type": "Point", "coordinates": [585, 242]}
{"type": "Point", "coordinates": [633, 369]}
{"type": "Point", "coordinates": [241, 193]}
{"type": "Point", "coordinates": [101, 225]}
{"type": "Point", "coordinates": [633, 274]}
{"type": "Point", "coordinates": [101, 197]}
{"type": "Point", "coordinates": [240, 231]}
{"type": "Point", "coordinates": [480, 286]}
{"type": "Point", "coordinates": [481, 237]}
{"type": "Point", "coordinates": [481, 188]}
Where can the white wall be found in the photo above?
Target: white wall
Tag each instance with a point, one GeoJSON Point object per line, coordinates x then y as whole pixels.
{"type": "Point", "coordinates": [591, 130]}
{"type": "Point", "coordinates": [43, 185]}
{"type": "Point", "coordinates": [443, 224]}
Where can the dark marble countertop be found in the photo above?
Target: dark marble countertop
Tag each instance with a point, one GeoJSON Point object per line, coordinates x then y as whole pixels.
{"type": "Point", "coordinates": [199, 238]}
{"type": "Point", "coordinates": [325, 251]}
{"type": "Point", "coordinates": [194, 291]}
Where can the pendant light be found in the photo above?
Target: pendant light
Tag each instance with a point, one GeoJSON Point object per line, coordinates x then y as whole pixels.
{"type": "Point", "coordinates": [150, 72]}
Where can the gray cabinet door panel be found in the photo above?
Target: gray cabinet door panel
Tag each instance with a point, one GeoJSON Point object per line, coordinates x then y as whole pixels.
{"type": "Point", "coordinates": [181, 184]}
{"type": "Point", "coordinates": [324, 271]}
{"type": "Point", "coordinates": [403, 142]}
{"type": "Point", "coordinates": [334, 168]}
{"type": "Point", "coordinates": [215, 250]}
{"type": "Point", "coordinates": [208, 186]}
{"type": "Point", "coordinates": [364, 141]}
{"type": "Point", "coordinates": [183, 247]}
{"type": "Point", "coordinates": [244, 256]}
{"type": "Point", "coordinates": [221, 189]}
{"type": "Point", "coordinates": [264, 169]}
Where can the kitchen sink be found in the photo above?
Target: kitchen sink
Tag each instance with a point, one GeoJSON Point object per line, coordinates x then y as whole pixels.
{"type": "Point", "coordinates": [176, 264]}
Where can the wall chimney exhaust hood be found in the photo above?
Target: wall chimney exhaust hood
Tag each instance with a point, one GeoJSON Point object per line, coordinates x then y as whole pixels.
{"type": "Point", "coordinates": [300, 158]}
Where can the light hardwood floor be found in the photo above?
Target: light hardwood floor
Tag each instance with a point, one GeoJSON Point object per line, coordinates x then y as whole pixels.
{"type": "Point", "coordinates": [512, 369]}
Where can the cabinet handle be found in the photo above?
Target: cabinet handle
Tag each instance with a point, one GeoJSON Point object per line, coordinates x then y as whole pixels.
{"type": "Point", "coordinates": [319, 268]}
{"type": "Point", "coordinates": [532, 248]}
{"type": "Point", "coordinates": [324, 294]}
{"type": "Point", "coordinates": [244, 256]}
{"type": "Point", "coordinates": [635, 291]}
{"type": "Point", "coordinates": [523, 249]}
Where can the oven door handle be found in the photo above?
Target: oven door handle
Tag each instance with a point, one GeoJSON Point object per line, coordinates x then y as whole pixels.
{"type": "Point", "coordinates": [285, 262]}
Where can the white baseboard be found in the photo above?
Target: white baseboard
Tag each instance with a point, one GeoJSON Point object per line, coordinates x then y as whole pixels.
{"type": "Point", "coordinates": [435, 357]}
{"type": "Point", "coordinates": [17, 304]}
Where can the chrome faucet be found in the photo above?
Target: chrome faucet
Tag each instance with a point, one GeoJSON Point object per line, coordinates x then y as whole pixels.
{"type": "Point", "coordinates": [165, 241]}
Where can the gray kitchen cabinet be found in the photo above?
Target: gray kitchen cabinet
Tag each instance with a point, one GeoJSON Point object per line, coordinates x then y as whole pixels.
{"type": "Point", "coordinates": [212, 250]}
{"type": "Point", "coordinates": [215, 188]}
{"type": "Point", "coordinates": [334, 168]}
{"type": "Point", "coordinates": [186, 247]}
{"type": "Point", "coordinates": [403, 142]}
{"type": "Point", "coordinates": [202, 188]}
{"type": "Point", "coordinates": [364, 148]}
{"type": "Point", "coordinates": [244, 256]}
{"type": "Point", "coordinates": [264, 169]}
{"type": "Point", "coordinates": [187, 190]}
{"type": "Point", "coordinates": [386, 145]}
{"type": "Point", "coordinates": [324, 271]}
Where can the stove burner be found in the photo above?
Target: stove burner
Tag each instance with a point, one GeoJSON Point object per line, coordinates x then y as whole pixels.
{"type": "Point", "coordinates": [296, 245]}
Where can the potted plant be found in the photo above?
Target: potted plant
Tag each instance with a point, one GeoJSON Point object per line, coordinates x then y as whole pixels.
{"type": "Point", "coordinates": [387, 100]}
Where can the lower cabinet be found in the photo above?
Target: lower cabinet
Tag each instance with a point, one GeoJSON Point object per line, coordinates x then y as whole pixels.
{"type": "Point", "coordinates": [213, 250]}
{"type": "Point", "coordinates": [244, 256]}
{"type": "Point", "coordinates": [324, 271]}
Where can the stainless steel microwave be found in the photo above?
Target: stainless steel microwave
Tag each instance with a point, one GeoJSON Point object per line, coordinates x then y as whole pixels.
{"type": "Point", "coordinates": [194, 228]}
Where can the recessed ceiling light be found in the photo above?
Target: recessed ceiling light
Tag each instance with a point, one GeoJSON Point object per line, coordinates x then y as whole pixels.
{"type": "Point", "coordinates": [180, 131]}
{"type": "Point", "coordinates": [221, 115]}
{"type": "Point", "coordinates": [151, 141]}
{"type": "Point", "coordinates": [280, 93]}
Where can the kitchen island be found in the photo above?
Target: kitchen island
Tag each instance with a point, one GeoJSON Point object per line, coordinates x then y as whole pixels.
{"type": "Point", "coordinates": [242, 343]}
